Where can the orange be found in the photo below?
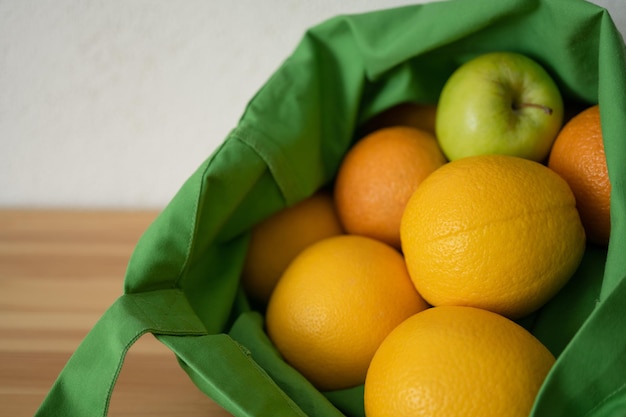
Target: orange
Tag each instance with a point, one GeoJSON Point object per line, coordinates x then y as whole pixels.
{"type": "Point", "coordinates": [578, 156]}
{"type": "Point", "coordinates": [417, 115]}
{"type": "Point", "coordinates": [493, 231]}
{"type": "Point", "coordinates": [277, 240]}
{"type": "Point", "coordinates": [377, 177]}
{"type": "Point", "coordinates": [456, 362]}
{"type": "Point", "coordinates": [335, 304]}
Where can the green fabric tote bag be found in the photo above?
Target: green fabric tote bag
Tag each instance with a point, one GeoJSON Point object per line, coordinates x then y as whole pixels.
{"type": "Point", "coordinates": [182, 282]}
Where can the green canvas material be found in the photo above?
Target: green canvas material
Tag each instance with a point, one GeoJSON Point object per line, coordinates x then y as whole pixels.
{"type": "Point", "coordinates": [182, 282]}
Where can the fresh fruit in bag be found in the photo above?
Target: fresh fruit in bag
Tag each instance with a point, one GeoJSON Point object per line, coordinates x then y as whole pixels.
{"type": "Point", "coordinates": [378, 176]}
{"type": "Point", "coordinates": [578, 156]}
{"type": "Point", "coordinates": [495, 232]}
{"type": "Point", "coordinates": [456, 362]}
{"type": "Point", "coordinates": [277, 240]}
{"type": "Point", "coordinates": [499, 103]}
{"type": "Point", "coordinates": [335, 304]}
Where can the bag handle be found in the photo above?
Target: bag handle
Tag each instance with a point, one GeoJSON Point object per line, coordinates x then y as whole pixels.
{"type": "Point", "coordinates": [217, 365]}
{"type": "Point", "coordinates": [85, 385]}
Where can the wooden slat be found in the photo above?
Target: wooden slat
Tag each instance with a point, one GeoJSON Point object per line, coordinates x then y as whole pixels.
{"type": "Point", "coordinates": [59, 272]}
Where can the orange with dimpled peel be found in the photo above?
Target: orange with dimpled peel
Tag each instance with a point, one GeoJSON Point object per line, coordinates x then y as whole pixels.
{"type": "Point", "coordinates": [493, 231]}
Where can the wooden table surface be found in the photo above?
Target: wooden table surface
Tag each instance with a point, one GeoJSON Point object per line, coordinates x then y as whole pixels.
{"type": "Point", "coordinates": [59, 271]}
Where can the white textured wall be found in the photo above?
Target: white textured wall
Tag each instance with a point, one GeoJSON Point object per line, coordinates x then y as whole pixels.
{"type": "Point", "coordinates": [113, 104]}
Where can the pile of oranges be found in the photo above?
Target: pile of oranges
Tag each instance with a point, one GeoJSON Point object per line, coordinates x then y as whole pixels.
{"type": "Point", "coordinates": [408, 273]}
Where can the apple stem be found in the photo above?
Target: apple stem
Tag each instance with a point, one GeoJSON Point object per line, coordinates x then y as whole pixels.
{"type": "Point", "coordinates": [546, 109]}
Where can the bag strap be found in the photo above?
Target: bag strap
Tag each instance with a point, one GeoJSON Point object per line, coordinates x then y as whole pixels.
{"type": "Point", "coordinates": [224, 370]}
{"type": "Point", "coordinates": [85, 385]}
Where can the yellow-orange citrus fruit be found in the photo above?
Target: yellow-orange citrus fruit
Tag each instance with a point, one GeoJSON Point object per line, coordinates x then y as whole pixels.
{"type": "Point", "coordinates": [377, 177]}
{"type": "Point", "coordinates": [456, 362]}
{"type": "Point", "coordinates": [277, 240]}
{"type": "Point", "coordinates": [416, 115]}
{"type": "Point", "coordinates": [493, 231]}
{"type": "Point", "coordinates": [335, 304]}
{"type": "Point", "coordinates": [578, 156]}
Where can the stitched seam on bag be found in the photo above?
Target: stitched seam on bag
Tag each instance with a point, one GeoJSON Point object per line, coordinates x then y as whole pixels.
{"type": "Point", "coordinates": [606, 399]}
{"type": "Point", "coordinates": [248, 355]}
{"type": "Point", "coordinates": [247, 139]}
{"type": "Point", "coordinates": [153, 324]}
{"type": "Point", "coordinates": [152, 328]}
{"type": "Point", "coordinates": [165, 312]}
{"type": "Point", "coordinates": [118, 369]}
{"type": "Point", "coordinates": [278, 164]}
{"type": "Point", "coordinates": [194, 229]}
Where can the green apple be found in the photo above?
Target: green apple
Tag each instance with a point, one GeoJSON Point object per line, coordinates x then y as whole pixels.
{"type": "Point", "coordinates": [499, 103]}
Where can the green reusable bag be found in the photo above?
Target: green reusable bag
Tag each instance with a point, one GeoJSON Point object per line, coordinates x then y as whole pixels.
{"type": "Point", "coordinates": [182, 282]}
